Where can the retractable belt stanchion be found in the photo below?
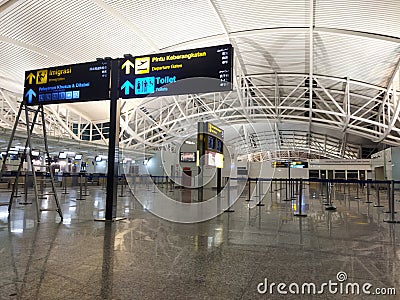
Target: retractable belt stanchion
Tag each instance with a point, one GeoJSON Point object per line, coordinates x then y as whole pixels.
{"type": "Point", "coordinates": [368, 192]}
{"type": "Point", "coordinates": [122, 187]}
{"type": "Point", "coordinates": [228, 210]}
{"type": "Point", "coordinates": [25, 177]}
{"type": "Point", "coordinates": [103, 181]}
{"type": "Point", "coordinates": [148, 183]}
{"type": "Point", "coordinates": [324, 189]}
{"type": "Point", "coordinates": [17, 193]}
{"type": "Point", "coordinates": [287, 190]}
{"type": "Point", "coordinates": [41, 187]}
{"type": "Point", "coordinates": [86, 185]}
{"type": "Point", "coordinates": [293, 193]}
{"type": "Point", "coordinates": [270, 188]}
{"type": "Point", "coordinates": [357, 191]}
{"type": "Point", "coordinates": [25, 202]}
{"type": "Point", "coordinates": [81, 196]}
{"type": "Point", "coordinates": [388, 184]}
{"type": "Point", "coordinates": [300, 212]}
{"type": "Point", "coordinates": [248, 199]}
{"type": "Point", "coordinates": [329, 195]}
{"type": "Point", "coordinates": [326, 197]}
{"type": "Point", "coordinates": [391, 206]}
{"type": "Point", "coordinates": [260, 192]}
{"type": "Point", "coordinates": [64, 182]}
{"type": "Point", "coordinates": [378, 199]}
{"type": "Point", "coordinates": [321, 188]}
{"type": "Point", "coordinates": [154, 185]}
{"type": "Point", "coordinates": [170, 184]}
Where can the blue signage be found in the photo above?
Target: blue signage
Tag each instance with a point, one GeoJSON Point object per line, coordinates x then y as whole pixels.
{"type": "Point", "coordinates": [182, 72]}
{"type": "Point", "coordinates": [68, 84]}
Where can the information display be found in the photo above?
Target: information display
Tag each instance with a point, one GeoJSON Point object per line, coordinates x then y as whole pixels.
{"type": "Point", "coordinates": [62, 155]}
{"type": "Point", "coordinates": [67, 84]}
{"type": "Point", "coordinates": [214, 159]}
{"type": "Point", "coordinates": [210, 137]}
{"type": "Point", "coordinates": [299, 164]}
{"type": "Point", "coordinates": [174, 73]}
{"type": "Point", "coordinates": [188, 156]}
{"type": "Point", "coordinates": [280, 164]}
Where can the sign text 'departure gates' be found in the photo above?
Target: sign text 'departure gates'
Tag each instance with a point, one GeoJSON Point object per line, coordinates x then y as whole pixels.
{"type": "Point", "coordinates": [182, 72]}
{"type": "Point", "coordinates": [175, 73]}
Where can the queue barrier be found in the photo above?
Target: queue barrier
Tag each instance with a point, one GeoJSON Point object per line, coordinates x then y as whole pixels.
{"type": "Point", "coordinates": [293, 187]}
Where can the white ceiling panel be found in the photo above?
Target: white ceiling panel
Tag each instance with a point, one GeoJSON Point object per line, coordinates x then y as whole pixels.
{"type": "Point", "coordinates": [74, 30]}
{"type": "Point", "coordinates": [380, 17]}
{"type": "Point", "coordinates": [243, 15]}
{"type": "Point", "coordinates": [273, 53]}
{"type": "Point", "coordinates": [15, 60]}
{"type": "Point", "coordinates": [169, 23]}
{"type": "Point", "coordinates": [358, 58]}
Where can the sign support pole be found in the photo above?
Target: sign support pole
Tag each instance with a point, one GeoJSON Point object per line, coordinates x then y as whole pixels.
{"type": "Point", "coordinates": [219, 181]}
{"type": "Point", "coordinates": [201, 149]}
{"type": "Point", "coordinates": [113, 147]}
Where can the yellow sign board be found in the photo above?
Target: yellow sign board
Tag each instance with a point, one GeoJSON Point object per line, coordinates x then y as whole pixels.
{"type": "Point", "coordinates": [41, 77]}
{"type": "Point", "coordinates": [142, 65]}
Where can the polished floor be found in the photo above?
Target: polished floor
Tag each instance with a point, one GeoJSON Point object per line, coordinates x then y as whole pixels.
{"type": "Point", "coordinates": [228, 257]}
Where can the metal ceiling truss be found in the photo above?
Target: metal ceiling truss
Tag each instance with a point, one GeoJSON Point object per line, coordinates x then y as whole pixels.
{"type": "Point", "coordinates": [301, 144]}
{"type": "Point", "coordinates": [282, 155]}
{"type": "Point", "coordinates": [342, 104]}
{"type": "Point", "coordinates": [60, 120]}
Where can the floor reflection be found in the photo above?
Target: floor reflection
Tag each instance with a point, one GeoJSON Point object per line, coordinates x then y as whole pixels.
{"type": "Point", "coordinates": [145, 257]}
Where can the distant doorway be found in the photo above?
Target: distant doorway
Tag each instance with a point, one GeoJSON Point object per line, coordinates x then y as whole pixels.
{"type": "Point", "coordinates": [379, 173]}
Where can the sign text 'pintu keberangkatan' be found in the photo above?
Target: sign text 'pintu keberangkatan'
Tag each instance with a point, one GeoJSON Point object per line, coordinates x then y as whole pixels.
{"type": "Point", "coordinates": [200, 70]}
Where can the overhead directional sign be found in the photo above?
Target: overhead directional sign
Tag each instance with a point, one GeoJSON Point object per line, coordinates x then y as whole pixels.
{"type": "Point", "coordinates": [182, 72]}
{"type": "Point", "coordinates": [66, 84]}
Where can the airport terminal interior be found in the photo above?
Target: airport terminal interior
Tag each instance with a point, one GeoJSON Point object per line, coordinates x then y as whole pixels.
{"type": "Point", "coordinates": [199, 149]}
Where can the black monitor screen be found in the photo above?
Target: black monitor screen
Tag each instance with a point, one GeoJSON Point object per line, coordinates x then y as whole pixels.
{"type": "Point", "coordinates": [219, 146]}
{"type": "Point", "coordinates": [14, 157]}
{"type": "Point", "coordinates": [211, 144]}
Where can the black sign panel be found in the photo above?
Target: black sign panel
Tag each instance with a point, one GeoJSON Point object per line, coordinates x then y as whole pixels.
{"type": "Point", "coordinates": [174, 73]}
{"type": "Point", "coordinates": [280, 164]}
{"type": "Point", "coordinates": [68, 84]}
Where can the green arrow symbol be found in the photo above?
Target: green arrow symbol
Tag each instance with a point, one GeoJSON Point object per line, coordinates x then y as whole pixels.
{"type": "Point", "coordinates": [127, 85]}
{"type": "Point", "coordinates": [127, 65]}
{"type": "Point", "coordinates": [30, 77]}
